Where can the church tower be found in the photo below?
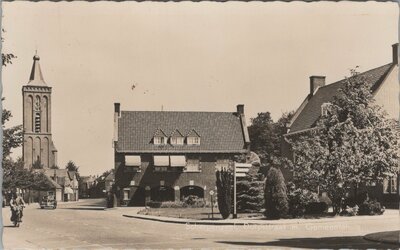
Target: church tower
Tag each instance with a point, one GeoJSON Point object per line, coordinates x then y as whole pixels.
{"type": "Point", "coordinates": [38, 147]}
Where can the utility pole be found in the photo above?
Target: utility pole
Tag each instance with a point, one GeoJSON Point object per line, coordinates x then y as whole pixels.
{"type": "Point", "coordinates": [212, 204]}
{"type": "Point", "coordinates": [239, 170]}
{"type": "Point", "coordinates": [234, 191]}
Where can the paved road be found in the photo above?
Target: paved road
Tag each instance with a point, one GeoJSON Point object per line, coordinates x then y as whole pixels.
{"type": "Point", "coordinates": [83, 225]}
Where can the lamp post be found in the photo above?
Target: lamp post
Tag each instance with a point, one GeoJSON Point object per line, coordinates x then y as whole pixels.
{"type": "Point", "coordinates": [212, 204]}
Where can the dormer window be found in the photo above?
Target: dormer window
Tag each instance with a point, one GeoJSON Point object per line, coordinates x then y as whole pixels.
{"type": "Point", "coordinates": [160, 138]}
{"type": "Point", "coordinates": [193, 138]}
{"type": "Point", "coordinates": [193, 141]}
{"type": "Point", "coordinates": [325, 107]}
{"type": "Point", "coordinates": [176, 138]}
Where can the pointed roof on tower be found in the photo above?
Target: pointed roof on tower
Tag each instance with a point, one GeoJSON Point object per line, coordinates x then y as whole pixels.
{"type": "Point", "coordinates": [36, 77]}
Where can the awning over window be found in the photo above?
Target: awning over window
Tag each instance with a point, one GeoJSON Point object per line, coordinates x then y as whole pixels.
{"type": "Point", "coordinates": [133, 160]}
{"type": "Point", "coordinates": [178, 160]}
{"type": "Point", "coordinates": [161, 160]}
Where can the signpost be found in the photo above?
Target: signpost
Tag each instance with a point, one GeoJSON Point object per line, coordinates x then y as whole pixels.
{"type": "Point", "coordinates": [212, 204]}
{"type": "Point", "coordinates": [240, 170]}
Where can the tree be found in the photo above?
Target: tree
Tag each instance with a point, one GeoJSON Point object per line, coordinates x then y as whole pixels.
{"type": "Point", "coordinates": [71, 166]}
{"type": "Point", "coordinates": [250, 193]}
{"type": "Point", "coordinates": [264, 140]}
{"type": "Point", "coordinates": [12, 137]}
{"type": "Point", "coordinates": [224, 192]}
{"type": "Point", "coordinates": [353, 142]}
{"type": "Point", "coordinates": [37, 164]}
{"type": "Point", "coordinates": [54, 167]}
{"type": "Point", "coordinates": [41, 181]}
{"type": "Point", "coordinates": [6, 58]}
{"type": "Point", "coordinates": [250, 189]}
{"type": "Point", "coordinates": [15, 175]}
{"type": "Point", "coordinates": [266, 135]}
{"type": "Point", "coordinates": [276, 200]}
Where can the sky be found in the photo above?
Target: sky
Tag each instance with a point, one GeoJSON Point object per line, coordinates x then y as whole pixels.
{"type": "Point", "coordinates": [181, 56]}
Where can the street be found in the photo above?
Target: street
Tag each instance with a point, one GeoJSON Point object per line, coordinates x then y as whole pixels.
{"type": "Point", "coordinates": [84, 225]}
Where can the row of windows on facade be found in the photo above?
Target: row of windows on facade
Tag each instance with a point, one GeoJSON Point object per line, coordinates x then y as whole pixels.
{"type": "Point", "coordinates": [161, 140]}
{"type": "Point", "coordinates": [163, 163]}
{"type": "Point", "coordinates": [162, 184]}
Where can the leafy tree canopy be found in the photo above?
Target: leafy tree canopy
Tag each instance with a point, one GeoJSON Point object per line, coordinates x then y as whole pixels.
{"type": "Point", "coordinates": [353, 142]}
{"type": "Point", "coordinates": [266, 135]}
{"type": "Point", "coordinates": [71, 166]}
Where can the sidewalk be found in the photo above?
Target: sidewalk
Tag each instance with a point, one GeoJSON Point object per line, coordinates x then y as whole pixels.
{"type": "Point", "coordinates": [391, 237]}
{"type": "Point", "coordinates": [237, 222]}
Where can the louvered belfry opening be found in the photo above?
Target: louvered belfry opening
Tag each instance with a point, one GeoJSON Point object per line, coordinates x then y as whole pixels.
{"type": "Point", "coordinates": [37, 122]}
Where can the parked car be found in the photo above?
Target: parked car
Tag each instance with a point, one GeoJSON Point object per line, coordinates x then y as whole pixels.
{"type": "Point", "coordinates": [48, 202]}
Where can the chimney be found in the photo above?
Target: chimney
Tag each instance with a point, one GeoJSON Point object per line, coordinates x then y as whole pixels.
{"type": "Point", "coordinates": [316, 82]}
{"type": "Point", "coordinates": [117, 108]}
{"type": "Point", "coordinates": [395, 50]}
{"type": "Point", "coordinates": [117, 114]}
{"type": "Point", "coordinates": [240, 109]}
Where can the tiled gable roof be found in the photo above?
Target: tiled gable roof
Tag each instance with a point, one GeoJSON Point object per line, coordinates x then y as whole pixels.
{"type": "Point", "coordinates": [193, 133]}
{"type": "Point", "coordinates": [159, 133]}
{"type": "Point", "coordinates": [311, 112]}
{"type": "Point", "coordinates": [176, 133]}
{"type": "Point", "coordinates": [220, 131]}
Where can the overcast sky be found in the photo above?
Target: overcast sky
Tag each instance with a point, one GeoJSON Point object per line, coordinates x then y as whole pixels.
{"type": "Point", "coordinates": [182, 56]}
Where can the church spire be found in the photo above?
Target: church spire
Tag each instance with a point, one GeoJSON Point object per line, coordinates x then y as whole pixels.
{"type": "Point", "coordinates": [36, 77]}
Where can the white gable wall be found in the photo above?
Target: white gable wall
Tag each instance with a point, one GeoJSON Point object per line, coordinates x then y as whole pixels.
{"type": "Point", "coordinates": [387, 95]}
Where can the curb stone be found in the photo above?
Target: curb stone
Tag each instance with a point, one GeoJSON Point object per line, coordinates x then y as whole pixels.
{"type": "Point", "coordinates": [383, 237]}
{"type": "Point", "coordinates": [238, 222]}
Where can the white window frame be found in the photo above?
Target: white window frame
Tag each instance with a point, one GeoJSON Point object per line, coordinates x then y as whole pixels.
{"type": "Point", "coordinates": [390, 184]}
{"type": "Point", "coordinates": [176, 140]}
{"type": "Point", "coordinates": [193, 140]}
{"type": "Point", "coordinates": [126, 194]}
{"type": "Point", "coordinates": [393, 184]}
{"type": "Point", "coordinates": [325, 108]}
{"type": "Point", "coordinates": [160, 140]}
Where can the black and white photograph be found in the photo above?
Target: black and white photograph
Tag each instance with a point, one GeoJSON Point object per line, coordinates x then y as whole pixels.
{"type": "Point", "coordinates": [187, 125]}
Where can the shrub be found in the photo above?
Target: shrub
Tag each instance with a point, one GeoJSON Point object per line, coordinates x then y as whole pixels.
{"type": "Point", "coordinates": [350, 211]}
{"type": "Point", "coordinates": [250, 192]}
{"type": "Point", "coordinates": [299, 199]}
{"type": "Point", "coordinates": [276, 200]}
{"type": "Point", "coordinates": [154, 204]}
{"type": "Point", "coordinates": [371, 207]}
{"type": "Point", "coordinates": [172, 204]}
{"type": "Point", "coordinates": [316, 208]}
{"type": "Point", "coordinates": [194, 201]}
{"type": "Point", "coordinates": [224, 186]}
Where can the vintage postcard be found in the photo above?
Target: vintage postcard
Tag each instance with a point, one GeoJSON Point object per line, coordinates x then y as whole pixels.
{"type": "Point", "coordinates": [218, 125]}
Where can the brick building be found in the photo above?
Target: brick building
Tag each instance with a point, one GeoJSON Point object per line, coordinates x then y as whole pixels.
{"type": "Point", "coordinates": [385, 89]}
{"type": "Point", "coordinates": [163, 155]}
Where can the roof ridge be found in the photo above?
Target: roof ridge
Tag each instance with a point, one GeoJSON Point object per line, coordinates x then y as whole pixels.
{"type": "Point", "coordinates": [365, 72]}
{"type": "Point", "coordinates": [155, 111]}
